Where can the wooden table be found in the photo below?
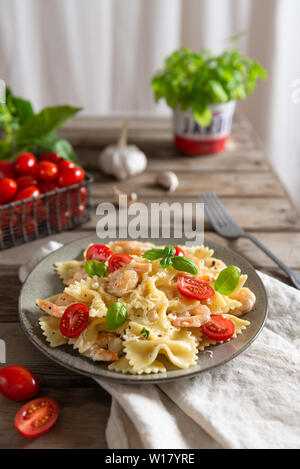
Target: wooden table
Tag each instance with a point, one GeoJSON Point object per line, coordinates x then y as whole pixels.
{"type": "Point", "coordinates": [248, 188]}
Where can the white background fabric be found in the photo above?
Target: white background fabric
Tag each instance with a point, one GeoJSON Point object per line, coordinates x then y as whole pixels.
{"type": "Point", "coordinates": [100, 54]}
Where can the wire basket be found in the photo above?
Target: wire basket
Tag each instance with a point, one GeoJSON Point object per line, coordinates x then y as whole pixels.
{"type": "Point", "coordinates": [52, 212]}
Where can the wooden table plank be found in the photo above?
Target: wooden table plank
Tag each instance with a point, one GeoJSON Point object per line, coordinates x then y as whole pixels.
{"type": "Point", "coordinates": [81, 423]}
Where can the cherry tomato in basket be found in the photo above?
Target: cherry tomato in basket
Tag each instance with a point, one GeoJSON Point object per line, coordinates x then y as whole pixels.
{"type": "Point", "coordinates": [53, 157]}
{"type": "Point", "coordinates": [98, 252]}
{"type": "Point", "coordinates": [8, 189]}
{"type": "Point", "coordinates": [47, 171]}
{"type": "Point", "coordinates": [79, 195]}
{"type": "Point", "coordinates": [25, 181]}
{"type": "Point", "coordinates": [194, 288]}
{"type": "Point", "coordinates": [26, 163]}
{"type": "Point", "coordinates": [218, 328]}
{"type": "Point", "coordinates": [116, 261]}
{"type": "Point", "coordinates": [27, 193]}
{"type": "Point", "coordinates": [78, 210]}
{"type": "Point", "coordinates": [37, 417]}
{"type": "Point", "coordinates": [65, 164]}
{"type": "Point", "coordinates": [47, 187]}
{"type": "Point", "coordinates": [179, 251]}
{"type": "Point", "coordinates": [74, 320]}
{"type": "Point", "coordinates": [7, 170]}
{"type": "Point", "coordinates": [71, 176]}
{"type": "Point", "coordinates": [18, 383]}
{"type": "Point", "coordinates": [61, 220]}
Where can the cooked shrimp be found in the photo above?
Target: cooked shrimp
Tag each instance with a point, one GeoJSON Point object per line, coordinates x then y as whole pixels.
{"type": "Point", "coordinates": [133, 247]}
{"type": "Point", "coordinates": [141, 268]}
{"type": "Point", "coordinates": [65, 300]}
{"type": "Point", "coordinates": [215, 264]}
{"type": "Point", "coordinates": [106, 348]}
{"type": "Point", "coordinates": [51, 308]}
{"type": "Point", "coordinates": [200, 315]}
{"type": "Point", "coordinates": [79, 275]}
{"type": "Point", "coordinates": [247, 299]}
{"type": "Point", "coordinates": [120, 282]}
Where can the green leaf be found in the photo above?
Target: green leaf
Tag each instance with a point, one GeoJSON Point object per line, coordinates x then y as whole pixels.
{"type": "Point", "coordinates": [40, 125]}
{"type": "Point", "coordinates": [153, 254]}
{"type": "Point", "coordinates": [184, 264]}
{"type": "Point", "coordinates": [169, 250]}
{"type": "Point", "coordinates": [145, 333]}
{"type": "Point", "coordinates": [203, 118]}
{"type": "Point", "coordinates": [23, 109]}
{"type": "Point", "coordinates": [166, 262]}
{"type": "Point", "coordinates": [116, 316]}
{"type": "Point", "coordinates": [227, 280]}
{"type": "Point", "coordinates": [93, 267]}
{"type": "Point", "coordinates": [53, 143]}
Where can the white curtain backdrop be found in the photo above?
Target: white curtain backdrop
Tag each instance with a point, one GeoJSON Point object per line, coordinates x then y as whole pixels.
{"type": "Point", "coordinates": [100, 54]}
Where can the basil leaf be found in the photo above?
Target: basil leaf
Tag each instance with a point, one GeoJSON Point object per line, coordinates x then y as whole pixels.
{"type": "Point", "coordinates": [52, 143]}
{"type": "Point", "coordinates": [165, 262]}
{"type": "Point", "coordinates": [153, 254]}
{"type": "Point", "coordinates": [93, 267]}
{"type": "Point", "coordinates": [184, 264]}
{"type": "Point", "coordinates": [116, 316]}
{"type": "Point", "coordinates": [169, 251]}
{"type": "Point", "coordinates": [145, 333]}
{"type": "Point", "coordinates": [227, 280]}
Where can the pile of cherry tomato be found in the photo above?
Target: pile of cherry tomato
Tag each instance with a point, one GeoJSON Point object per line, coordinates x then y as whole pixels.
{"type": "Point", "coordinates": [28, 177]}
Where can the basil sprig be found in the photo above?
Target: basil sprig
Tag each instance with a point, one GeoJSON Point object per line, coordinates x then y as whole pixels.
{"type": "Point", "coordinates": [93, 267]}
{"type": "Point", "coordinates": [167, 257]}
{"type": "Point", "coordinates": [228, 280]}
{"type": "Point", "coordinates": [145, 333]}
{"type": "Point", "coordinates": [116, 315]}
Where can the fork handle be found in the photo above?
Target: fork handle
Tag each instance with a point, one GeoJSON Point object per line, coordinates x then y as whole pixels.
{"type": "Point", "coordinates": [295, 278]}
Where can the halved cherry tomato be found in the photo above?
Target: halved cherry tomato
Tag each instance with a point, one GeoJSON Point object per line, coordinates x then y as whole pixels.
{"type": "Point", "coordinates": [98, 252]}
{"type": "Point", "coordinates": [26, 164]}
{"type": "Point", "coordinates": [179, 251]}
{"type": "Point", "coordinates": [25, 181]}
{"type": "Point", "coordinates": [116, 261]}
{"type": "Point", "coordinates": [37, 417]}
{"type": "Point", "coordinates": [71, 176]}
{"type": "Point", "coordinates": [74, 320]}
{"type": "Point", "coordinates": [65, 164]}
{"type": "Point", "coordinates": [8, 189]}
{"type": "Point", "coordinates": [53, 157]}
{"type": "Point", "coordinates": [194, 288]}
{"type": "Point", "coordinates": [218, 328]}
{"type": "Point", "coordinates": [47, 171]}
{"type": "Point", "coordinates": [7, 170]}
{"type": "Point", "coordinates": [18, 383]}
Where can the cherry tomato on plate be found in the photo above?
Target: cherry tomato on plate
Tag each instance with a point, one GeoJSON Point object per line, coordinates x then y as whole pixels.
{"type": "Point", "coordinates": [98, 252]}
{"type": "Point", "coordinates": [25, 181]}
{"type": "Point", "coordinates": [116, 261]}
{"type": "Point", "coordinates": [53, 157]}
{"type": "Point", "coordinates": [47, 171]}
{"type": "Point", "coordinates": [7, 170]}
{"type": "Point", "coordinates": [26, 164]}
{"type": "Point", "coordinates": [37, 417]}
{"type": "Point", "coordinates": [179, 251]}
{"type": "Point", "coordinates": [218, 328]}
{"type": "Point", "coordinates": [8, 189]}
{"type": "Point", "coordinates": [66, 164]}
{"type": "Point", "coordinates": [71, 176]}
{"type": "Point", "coordinates": [74, 320]}
{"type": "Point", "coordinates": [18, 383]}
{"type": "Point", "coordinates": [194, 288]}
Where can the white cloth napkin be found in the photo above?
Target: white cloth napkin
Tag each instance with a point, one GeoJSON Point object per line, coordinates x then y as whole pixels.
{"type": "Point", "coordinates": [252, 401]}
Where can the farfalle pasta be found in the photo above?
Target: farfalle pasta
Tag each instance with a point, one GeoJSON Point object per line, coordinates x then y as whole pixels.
{"type": "Point", "coordinates": [145, 308]}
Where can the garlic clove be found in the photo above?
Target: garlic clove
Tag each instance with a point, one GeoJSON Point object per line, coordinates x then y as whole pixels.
{"type": "Point", "coordinates": [132, 197]}
{"type": "Point", "coordinates": [168, 180]}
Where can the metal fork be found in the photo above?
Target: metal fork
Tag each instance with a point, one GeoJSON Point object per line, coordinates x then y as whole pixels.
{"type": "Point", "coordinates": [228, 228]}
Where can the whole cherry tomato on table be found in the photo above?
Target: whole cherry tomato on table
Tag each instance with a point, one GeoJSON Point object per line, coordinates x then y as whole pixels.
{"type": "Point", "coordinates": [70, 176]}
{"type": "Point", "coordinates": [26, 163]}
{"type": "Point", "coordinates": [18, 383]}
{"type": "Point", "coordinates": [47, 171]}
{"type": "Point", "coordinates": [25, 181]}
{"type": "Point", "coordinates": [7, 170]}
{"type": "Point", "coordinates": [8, 189]}
{"type": "Point", "coordinates": [37, 417]}
{"type": "Point", "coordinates": [53, 157]}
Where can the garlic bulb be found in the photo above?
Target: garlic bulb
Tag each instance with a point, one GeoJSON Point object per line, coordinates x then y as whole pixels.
{"type": "Point", "coordinates": [168, 180]}
{"type": "Point", "coordinates": [122, 160]}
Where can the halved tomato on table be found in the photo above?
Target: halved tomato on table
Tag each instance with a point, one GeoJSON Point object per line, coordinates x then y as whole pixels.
{"type": "Point", "coordinates": [218, 328]}
{"type": "Point", "coordinates": [117, 261]}
{"type": "Point", "coordinates": [98, 252]}
{"type": "Point", "coordinates": [37, 417]}
{"type": "Point", "coordinates": [74, 320]}
{"type": "Point", "coordinates": [194, 288]}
